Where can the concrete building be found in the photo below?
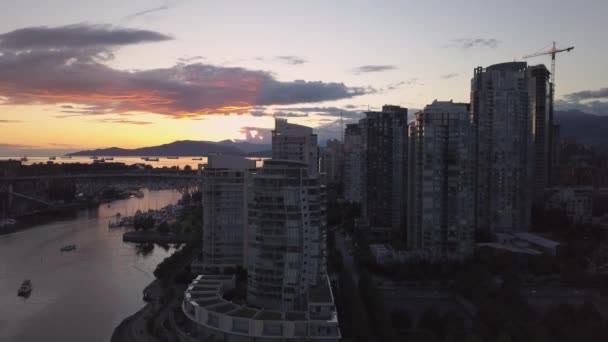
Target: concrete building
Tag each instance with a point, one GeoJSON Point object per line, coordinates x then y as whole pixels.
{"type": "Point", "coordinates": [384, 141]}
{"type": "Point", "coordinates": [576, 202]}
{"type": "Point", "coordinates": [295, 142]}
{"type": "Point", "coordinates": [352, 175]}
{"type": "Point", "coordinates": [501, 110]}
{"type": "Point", "coordinates": [224, 189]}
{"type": "Point", "coordinates": [330, 161]}
{"type": "Point", "coordinates": [217, 319]}
{"type": "Point", "coordinates": [441, 193]}
{"type": "Point", "coordinates": [286, 221]}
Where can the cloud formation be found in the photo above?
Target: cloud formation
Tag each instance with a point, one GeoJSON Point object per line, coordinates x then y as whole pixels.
{"type": "Point", "coordinates": [373, 68]}
{"type": "Point", "coordinates": [450, 75]}
{"type": "Point", "coordinates": [9, 121]}
{"type": "Point", "coordinates": [294, 60]}
{"type": "Point", "coordinates": [468, 43]}
{"type": "Point", "coordinates": [31, 39]}
{"type": "Point", "coordinates": [123, 121]}
{"type": "Point", "coordinates": [590, 101]}
{"type": "Point", "coordinates": [66, 66]}
{"type": "Point", "coordinates": [584, 95]}
{"type": "Point", "coordinates": [146, 12]}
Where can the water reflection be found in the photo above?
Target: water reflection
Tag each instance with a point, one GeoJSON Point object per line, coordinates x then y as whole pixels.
{"type": "Point", "coordinates": [80, 295]}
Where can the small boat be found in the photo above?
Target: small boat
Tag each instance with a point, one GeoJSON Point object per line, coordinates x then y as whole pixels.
{"type": "Point", "coordinates": [52, 158]}
{"type": "Point", "coordinates": [172, 157]}
{"type": "Point", "coordinates": [66, 157]}
{"type": "Point", "coordinates": [24, 159]}
{"type": "Point", "coordinates": [151, 159]}
{"type": "Point", "coordinates": [139, 194]}
{"type": "Point", "coordinates": [68, 248]}
{"type": "Point", "coordinates": [197, 158]}
{"type": "Point", "coordinates": [109, 158]}
{"type": "Point", "coordinates": [25, 289]}
{"type": "Point", "coordinates": [114, 224]}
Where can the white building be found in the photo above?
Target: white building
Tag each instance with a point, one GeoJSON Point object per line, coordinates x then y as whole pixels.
{"type": "Point", "coordinates": [353, 149]}
{"type": "Point", "coordinates": [286, 221]}
{"type": "Point", "coordinates": [295, 142]}
{"type": "Point", "coordinates": [441, 188]}
{"type": "Point", "coordinates": [576, 202]}
{"type": "Point", "coordinates": [224, 190]}
{"type": "Point", "coordinates": [218, 319]}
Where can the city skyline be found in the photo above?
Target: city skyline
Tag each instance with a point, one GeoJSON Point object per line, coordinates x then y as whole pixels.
{"type": "Point", "coordinates": [134, 75]}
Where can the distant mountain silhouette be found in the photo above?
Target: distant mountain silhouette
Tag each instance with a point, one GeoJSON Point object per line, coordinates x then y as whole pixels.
{"type": "Point", "coordinates": [583, 127]}
{"type": "Point", "coordinates": [183, 148]}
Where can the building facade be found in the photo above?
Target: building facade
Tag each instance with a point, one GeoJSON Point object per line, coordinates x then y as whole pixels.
{"type": "Point", "coordinates": [384, 141]}
{"type": "Point", "coordinates": [576, 202]}
{"type": "Point", "coordinates": [295, 142]}
{"type": "Point", "coordinates": [441, 193]}
{"type": "Point", "coordinates": [330, 163]}
{"type": "Point", "coordinates": [224, 189]}
{"type": "Point", "coordinates": [501, 111]}
{"type": "Point", "coordinates": [539, 90]}
{"type": "Point", "coordinates": [352, 175]}
{"type": "Point", "coordinates": [286, 221]}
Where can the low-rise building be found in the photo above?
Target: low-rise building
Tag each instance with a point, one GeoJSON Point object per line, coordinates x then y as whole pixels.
{"type": "Point", "coordinates": [577, 202]}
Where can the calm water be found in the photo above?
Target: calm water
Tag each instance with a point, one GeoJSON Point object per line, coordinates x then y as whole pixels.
{"type": "Point", "coordinates": [81, 295]}
{"type": "Point", "coordinates": [181, 162]}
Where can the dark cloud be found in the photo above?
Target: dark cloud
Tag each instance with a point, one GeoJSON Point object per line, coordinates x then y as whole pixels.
{"type": "Point", "coordinates": [593, 107]}
{"type": "Point", "coordinates": [75, 36]}
{"type": "Point", "coordinates": [450, 75]}
{"type": "Point", "coordinates": [468, 43]}
{"type": "Point", "coordinates": [294, 60]}
{"type": "Point", "coordinates": [146, 12]}
{"type": "Point", "coordinates": [14, 146]}
{"type": "Point", "coordinates": [324, 111]}
{"type": "Point", "coordinates": [373, 68]}
{"type": "Point", "coordinates": [584, 95]}
{"type": "Point", "coordinates": [66, 66]}
{"type": "Point", "coordinates": [590, 101]}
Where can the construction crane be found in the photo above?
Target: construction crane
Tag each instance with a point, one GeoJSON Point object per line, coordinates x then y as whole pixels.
{"type": "Point", "coordinates": [552, 51]}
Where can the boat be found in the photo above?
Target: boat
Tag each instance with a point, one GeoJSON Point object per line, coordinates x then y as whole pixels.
{"type": "Point", "coordinates": [25, 289]}
{"type": "Point", "coordinates": [114, 224]}
{"type": "Point", "coordinates": [68, 248]}
{"type": "Point", "coordinates": [66, 157]}
{"type": "Point", "coordinates": [151, 159]}
{"type": "Point", "coordinates": [52, 158]}
{"type": "Point", "coordinates": [172, 157]}
{"type": "Point", "coordinates": [197, 158]}
{"type": "Point", "coordinates": [109, 158]}
{"type": "Point", "coordinates": [24, 159]}
{"type": "Point", "coordinates": [139, 194]}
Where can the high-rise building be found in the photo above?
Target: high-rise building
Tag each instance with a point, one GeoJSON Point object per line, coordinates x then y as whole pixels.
{"type": "Point", "coordinates": [441, 194]}
{"type": "Point", "coordinates": [501, 102]}
{"type": "Point", "coordinates": [352, 163]}
{"type": "Point", "coordinates": [224, 190]}
{"type": "Point", "coordinates": [331, 161]}
{"type": "Point", "coordinates": [542, 128]}
{"type": "Point", "coordinates": [295, 142]}
{"type": "Point", "coordinates": [384, 141]}
{"type": "Point", "coordinates": [284, 235]}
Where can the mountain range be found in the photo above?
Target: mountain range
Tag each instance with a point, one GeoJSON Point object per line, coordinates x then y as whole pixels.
{"type": "Point", "coordinates": [184, 148]}
{"type": "Point", "coordinates": [583, 127]}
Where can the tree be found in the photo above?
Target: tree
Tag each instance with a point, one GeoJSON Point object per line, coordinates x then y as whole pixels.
{"type": "Point", "coordinates": [163, 228]}
{"type": "Point", "coordinates": [197, 197]}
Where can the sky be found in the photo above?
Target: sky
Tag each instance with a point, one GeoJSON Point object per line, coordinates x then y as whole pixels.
{"type": "Point", "coordinates": [91, 74]}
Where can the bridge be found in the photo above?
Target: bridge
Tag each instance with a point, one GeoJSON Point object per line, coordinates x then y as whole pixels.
{"type": "Point", "coordinates": [37, 188]}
